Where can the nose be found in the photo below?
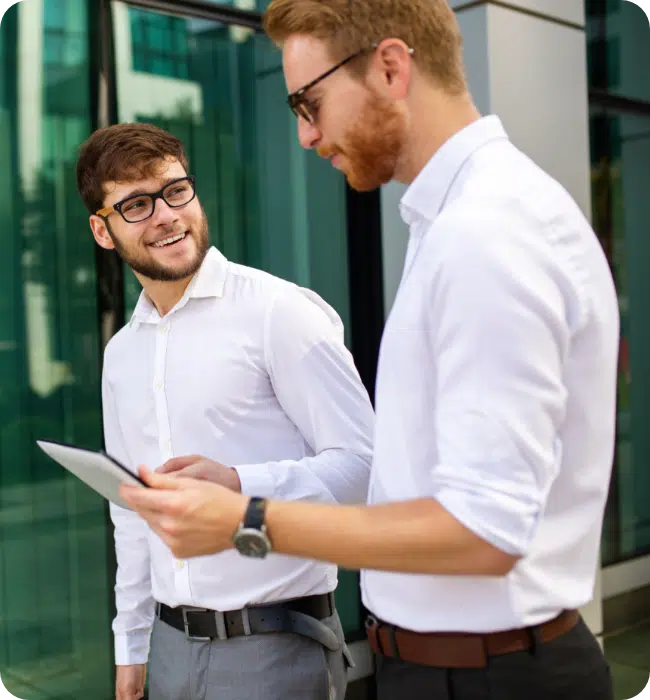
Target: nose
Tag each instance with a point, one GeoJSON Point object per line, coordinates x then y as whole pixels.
{"type": "Point", "coordinates": [308, 134]}
{"type": "Point", "coordinates": [163, 213]}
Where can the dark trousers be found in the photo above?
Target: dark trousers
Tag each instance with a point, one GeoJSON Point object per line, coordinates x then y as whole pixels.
{"type": "Point", "coordinates": [571, 667]}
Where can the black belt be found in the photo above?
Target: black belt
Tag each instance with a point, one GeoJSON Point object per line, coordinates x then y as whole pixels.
{"type": "Point", "coordinates": [300, 616]}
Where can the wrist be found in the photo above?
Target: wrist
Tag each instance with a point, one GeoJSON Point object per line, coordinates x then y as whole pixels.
{"type": "Point", "coordinates": [234, 482]}
{"type": "Point", "coordinates": [250, 538]}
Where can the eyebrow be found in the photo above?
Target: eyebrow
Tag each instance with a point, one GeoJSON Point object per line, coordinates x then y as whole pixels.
{"type": "Point", "coordinates": [139, 190]}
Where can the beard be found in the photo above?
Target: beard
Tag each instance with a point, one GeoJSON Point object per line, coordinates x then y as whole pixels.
{"type": "Point", "coordinates": [372, 145]}
{"type": "Point", "coordinates": [140, 263]}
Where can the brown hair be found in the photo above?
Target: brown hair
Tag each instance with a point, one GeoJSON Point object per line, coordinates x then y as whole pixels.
{"type": "Point", "coordinates": [346, 26]}
{"type": "Point", "coordinates": [122, 152]}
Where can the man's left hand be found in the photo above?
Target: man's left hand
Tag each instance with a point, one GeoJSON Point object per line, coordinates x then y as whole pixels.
{"type": "Point", "coordinates": [193, 518]}
{"type": "Point", "coordinates": [198, 467]}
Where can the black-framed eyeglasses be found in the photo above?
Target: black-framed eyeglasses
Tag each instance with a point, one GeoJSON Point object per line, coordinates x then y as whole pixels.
{"type": "Point", "coordinates": [301, 106]}
{"type": "Point", "coordinates": [296, 100]}
{"type": "Point", "coordinates": [139, 207]}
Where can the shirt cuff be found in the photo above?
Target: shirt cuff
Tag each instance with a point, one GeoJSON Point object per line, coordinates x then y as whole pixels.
{"type": "Point", "coordinates": [132, 648]}
{"type": "Point", "coordinates": [256, 480]}
{"type": "Point", "coordinates": [499, 522]}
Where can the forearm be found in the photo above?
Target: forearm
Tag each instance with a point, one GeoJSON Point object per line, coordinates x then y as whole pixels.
{"type": "Point", "coordinates": [333, 476]}
{"type": "Point", "coordinates": [413, 536]}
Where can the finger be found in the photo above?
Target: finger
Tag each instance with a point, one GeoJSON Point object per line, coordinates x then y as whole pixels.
{"type": "Point", "coordinates": [167, 482]}
{"type": "Point", "coordinates": [149, 501]}
{"type": "Point", "coordinates": [177, 463]}
{"type": "Point", "coordinates": [193, 471]}
{"type": "Point", "coordinates": [159, 481]}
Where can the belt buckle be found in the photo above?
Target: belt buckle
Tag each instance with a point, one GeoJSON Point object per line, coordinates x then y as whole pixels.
{"type": "Point", "coordinates": [371, 622]}
{"type": "Point", "coordinates": [194, 638]}
{"type": "Point", "coordinates": [374, 627]}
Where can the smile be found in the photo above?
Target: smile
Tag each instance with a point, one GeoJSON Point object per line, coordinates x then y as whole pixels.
{"type": "Point", "coordinates": [169, 241]}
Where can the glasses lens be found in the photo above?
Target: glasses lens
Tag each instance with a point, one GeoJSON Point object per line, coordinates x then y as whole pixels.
{"type": "Point", "coordinates": [300, 109]}
{"type": "Point", "coordinates": [179, 193]}
{"type": "Point", "coordinates": [303, 111]}
{"type": "Point", "coordinates": [137, 208]}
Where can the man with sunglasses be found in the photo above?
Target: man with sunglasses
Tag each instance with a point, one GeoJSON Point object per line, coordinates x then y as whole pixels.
{"type": "Point", "coordinates": [219, 365]}
{"type": "Point", "coordinates": [496, 384]}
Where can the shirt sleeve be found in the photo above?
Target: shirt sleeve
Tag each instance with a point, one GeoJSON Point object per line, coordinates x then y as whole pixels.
{"type": "Point", "coordinates": [133, 599]}
{"type": "Point", "coordinates": [500, 324]}
{"type": "Point", "coordinates": [318, 386]}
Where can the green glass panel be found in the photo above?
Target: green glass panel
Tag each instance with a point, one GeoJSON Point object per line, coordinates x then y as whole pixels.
{"type": "Point", "coordinates": [620, 153]}
{"type": "Point", "coordinates": [618, 48]}
{"type": "Point", "coordinates": [269, 203]}
{"type": "Point", "coordinates": [54, 596]}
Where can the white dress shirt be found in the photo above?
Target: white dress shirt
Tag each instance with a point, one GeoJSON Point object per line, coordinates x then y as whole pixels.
{"type": "Point", "coordinates": [496, 390]}
{"type": "Point", "coordinates": [251, 371]}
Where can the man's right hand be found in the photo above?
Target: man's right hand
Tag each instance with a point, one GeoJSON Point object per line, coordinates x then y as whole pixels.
{"type": "Point", "coordinates": [129, 682]}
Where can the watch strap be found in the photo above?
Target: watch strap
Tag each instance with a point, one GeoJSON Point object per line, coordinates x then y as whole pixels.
{"type": "Point", "coordinates": [255, 512]}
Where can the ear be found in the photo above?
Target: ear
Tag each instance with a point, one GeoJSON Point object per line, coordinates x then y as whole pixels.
{"type": "Point", "coordinates": [100, 232]}
{"type": "Point", "coordinates": [393, 66]}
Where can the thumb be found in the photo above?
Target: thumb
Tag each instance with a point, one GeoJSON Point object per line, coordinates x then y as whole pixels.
{"type": "Point", "coordinates": [159, 481]}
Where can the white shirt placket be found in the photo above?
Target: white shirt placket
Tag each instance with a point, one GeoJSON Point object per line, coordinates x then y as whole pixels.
{"type": "Point", "coordinates": [181, 568]}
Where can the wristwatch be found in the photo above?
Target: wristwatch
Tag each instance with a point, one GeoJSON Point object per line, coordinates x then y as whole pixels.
{"type": "Point", "coordinates": [251, 539]}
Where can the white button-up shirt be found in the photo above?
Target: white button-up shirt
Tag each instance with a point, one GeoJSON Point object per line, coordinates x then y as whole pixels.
{"type": "Point", "coordinates": [496, 389]}
{"type": "Point", "coordinates": [251, 371]}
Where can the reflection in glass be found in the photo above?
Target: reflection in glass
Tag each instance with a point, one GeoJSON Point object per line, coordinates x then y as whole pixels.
{"type": "Point", "coordinates": [618, 48]}
{"type": "Point", "coordinates": [621, 212]}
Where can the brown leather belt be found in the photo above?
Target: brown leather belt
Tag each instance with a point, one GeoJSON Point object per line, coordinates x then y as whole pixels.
{"type": "Point", "coordinates": [461, 649]}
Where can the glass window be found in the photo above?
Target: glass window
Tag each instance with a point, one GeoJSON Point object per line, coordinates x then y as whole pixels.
{"type": "Point", "coordinates": [54, 597]}
{"type": "Point", "coordinates": [619, 37]}
{"type": "Point", "coordinates": [269, 204]}
{"type": "Point", "coordinates": [158, 44]}
{"type": "Point", "coordinates": [621, 210]}
{"type": "Point", "coordinates": [618, 48]}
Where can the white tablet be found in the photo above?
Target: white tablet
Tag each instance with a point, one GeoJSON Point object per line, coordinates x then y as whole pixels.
{"type": "Point", "coordinates": [100, 471]}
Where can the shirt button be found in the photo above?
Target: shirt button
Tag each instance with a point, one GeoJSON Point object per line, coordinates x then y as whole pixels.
{"type": "Point", "coordinates": [164, 329]}
{"type": "Point", "coordinates": [180, 565]}
{"type": "Point", "coordinates": [158, 385]}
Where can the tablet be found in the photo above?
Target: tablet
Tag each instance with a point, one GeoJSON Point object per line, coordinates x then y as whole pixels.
{"type": "Point", "coordinates": [98, 470]}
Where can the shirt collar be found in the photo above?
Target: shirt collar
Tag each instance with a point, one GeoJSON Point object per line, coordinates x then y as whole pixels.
{"type": "Point", "coordinates": [209, 281]}
{"type": "Point", "coordinates": [426, 195]}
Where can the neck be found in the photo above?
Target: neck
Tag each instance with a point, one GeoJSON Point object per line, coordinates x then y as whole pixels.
{"type": "Point", "coordinates": [436, 117]}
{"type": "Point", "coordinates": [164, 295]}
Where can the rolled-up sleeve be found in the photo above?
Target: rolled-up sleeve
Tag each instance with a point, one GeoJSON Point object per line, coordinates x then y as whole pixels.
{"type": "Point", "coordinates": [500, 326]}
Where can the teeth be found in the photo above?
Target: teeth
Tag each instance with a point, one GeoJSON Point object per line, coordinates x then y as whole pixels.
{"type": "Point", "coordinates": [168, 241]}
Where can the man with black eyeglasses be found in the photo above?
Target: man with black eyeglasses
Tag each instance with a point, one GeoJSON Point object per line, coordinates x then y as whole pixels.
{"type": "Point", "coordinates": [219, 365]}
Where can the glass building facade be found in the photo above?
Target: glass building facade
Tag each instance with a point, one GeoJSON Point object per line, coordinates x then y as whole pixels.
{"type": "Point", "coordinates": [209, 75]}
{"type": "Point", "coordinates": [618, 57]}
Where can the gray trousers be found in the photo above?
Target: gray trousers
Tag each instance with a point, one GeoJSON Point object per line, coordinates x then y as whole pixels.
{"type": "Point", "coordinates": [260, 667]}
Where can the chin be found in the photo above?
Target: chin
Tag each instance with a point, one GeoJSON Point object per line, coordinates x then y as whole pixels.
{"type": "Point", "coordinates": [366, 185]}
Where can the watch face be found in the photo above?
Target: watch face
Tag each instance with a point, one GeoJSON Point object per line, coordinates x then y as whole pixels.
{"type": "Point", "coordinates": [252, 543]}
